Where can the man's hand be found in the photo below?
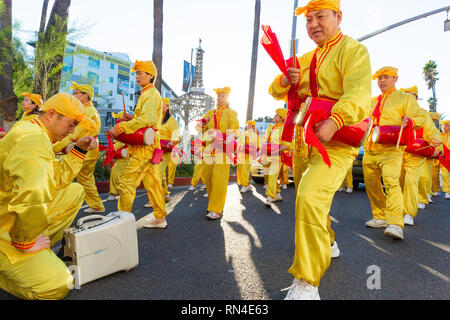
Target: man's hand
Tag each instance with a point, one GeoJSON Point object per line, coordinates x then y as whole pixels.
{"type": "Point", "coordinates": [283, 148]}
{"type": "Point", "coordinates": [294, 77]}
{"type": "Point", "coordinates": [42, 242]}
{"type": "Point", "coordinates": [112, 133]}
{"type": "Point", "coordinates": [87, 143]}
{"type": "Point", "coordinates": [435, 143]}
{"type": "Point", "coordinates": [127, 117]}
{"type": "Point", "coordinates": [327, 130]}
{"type": "Point", "coordinates": [405, 121]}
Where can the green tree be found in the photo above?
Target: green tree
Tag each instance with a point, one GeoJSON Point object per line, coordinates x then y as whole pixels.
{"type": "Point", "coordinates": [429, 74]}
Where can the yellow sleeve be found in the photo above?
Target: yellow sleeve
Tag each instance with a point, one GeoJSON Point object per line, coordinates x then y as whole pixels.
{"type": "Point", "coordinates": [354, 105]}
{"type": "Point", "coordinates": [67, 168]}
{"type": "Point", "coordinates": [278, 90]}
{"type": "Point", "coordinates": [429, 129]}
{"type": "Point", "coordinates": [148, 116]}
{"type": "Point", "coordinates": [175, 129]}
{"type": "Point", "coordinates": [233, 123]}
{"type": "Point", "coordinates": [412, 109]}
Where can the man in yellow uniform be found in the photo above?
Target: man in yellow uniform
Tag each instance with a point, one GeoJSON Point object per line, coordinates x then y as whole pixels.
{"type": "Point", "coordinates": [248, 139]}
{"type": "Point", "coordinates": [172, 169]}
{"type": "Point", "coordinates": [336, 65]}
{"type": "Point", "coordinates": [30, 105]}
{"type": "Point", "coordinates": [272, 163]}
{"type": "Point", "coordinates": [85, 93]}
{"type": "Point", "coordinates": [445, 125]}
{"type": "Point", "coordinates": [38, 199]}
{"type": "Point", "coordinates": [216, 166]}
{"type": "Point", "coordinates": [283, 176]}
{"type": "Point", "coordinates": [435, 180]}
{"type": "Point", "coordinates": [170, 133]}
{"type": "Point", "coordinates": [396, 108]}
{"type": "Point", "coordinates": [411, 166]}
{"type": "Point", "coordinates": [148, 113]}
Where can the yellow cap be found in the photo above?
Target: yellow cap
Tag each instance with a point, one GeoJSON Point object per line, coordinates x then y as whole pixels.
{"type": "Point", "coordinates": [85, 88]}
{"type": "Point", "coordinates": [412, 90]}
{"type": "Point", "coordinates": [282, 112]}
{"type": "Point", "coordinates": [166, 101]}
{"type": "Point", "coordinates": [251, 122]}
{"type": "Point", "coordinates": [36, 98]}
{"type": "Point", "coordinates": [389, 71]}
{"type": "Point", "coordinates": [316, 5]}
{"type": "Point", "coordinates": [67, 105]}
{"type": "Point", "coordinates": [146, 66]}
{"type": "Point", "coordinates": [434, 115]}
{"type": "Point", "coordinates": [225, 90]}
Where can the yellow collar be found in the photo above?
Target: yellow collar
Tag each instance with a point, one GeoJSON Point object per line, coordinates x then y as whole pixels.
{"type": "Point", "coordinates": [386, 93]}
{"type": "Point", "coordinates": [335, 39]}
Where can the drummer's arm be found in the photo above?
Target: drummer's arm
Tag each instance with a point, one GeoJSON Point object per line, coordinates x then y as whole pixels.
{"type": "Point", "coordinates": [147, 117]}
{"type": "Point", "coordinates": [354, 105]}
{"type": "Point", "coordinates": [413, 111]}
{"type": "Point", "coordinates": [278, 89]}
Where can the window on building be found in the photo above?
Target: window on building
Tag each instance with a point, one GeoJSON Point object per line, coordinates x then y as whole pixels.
{"type": "Point", "coordinates": [94, 63]}
{"type": "Point", "coordinates": [93, 77]}
{"type": "Point", "coordinates": [110, 93]}
{"type": "Point", "coordinates": [131, 96]}
{"type": "Point", "coordinates": [111, 79]}
{"type": "Point", "coordinates": [96, 90]}
{"type": "Point", "coordinates": [112, 66]}
{"type": "Point", "coordinates": [132, 85]}
{"type": "Point", "coordinates": [110, 105]}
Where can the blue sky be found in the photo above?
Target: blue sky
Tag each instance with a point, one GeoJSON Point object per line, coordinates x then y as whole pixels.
{"type": "Point", "coordinates": [226, 30]}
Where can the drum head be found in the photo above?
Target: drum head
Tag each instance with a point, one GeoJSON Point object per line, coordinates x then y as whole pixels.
{"type": "Point", "coordinates": [369, 129]}
{"type": "Point", "coordinates": [124, 153]}
{"type": "Point", "coordinates": [376, 134]}
{"type": "Point", "coordinates": [149, 137]}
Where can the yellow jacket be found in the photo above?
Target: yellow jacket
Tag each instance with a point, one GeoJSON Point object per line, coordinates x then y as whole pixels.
{"type": "Point", "coordinates": [29, 176]}
{"type": "Point", "coordinates": [397, 104]}
{"type": "Point", "coordinates": [430, 131]}
{"type": "Point", "coordinates": [170, 130]}
{"type": "Point", "coordinates": [148, 113]}
{"type": "Point", "coordinates": [80, 132]}
{"type": "Point", "coordinates": [248, 137]}
{"type": "Point", "coordinates": [273, 135]}
{"type": "Point", "coordinates": [344, 75]}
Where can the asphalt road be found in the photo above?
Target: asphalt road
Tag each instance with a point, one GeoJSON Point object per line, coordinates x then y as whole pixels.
{"type": "Point", "coordinates": [247, 254]}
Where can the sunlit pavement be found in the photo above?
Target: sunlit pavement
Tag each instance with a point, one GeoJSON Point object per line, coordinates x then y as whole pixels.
{"type": "Point", "coordinates": [247, 254]}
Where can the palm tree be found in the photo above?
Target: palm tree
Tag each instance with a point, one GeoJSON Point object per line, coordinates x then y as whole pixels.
{"type": "Point", "coordinates": [158, 39]}
{"type": "Point", "coordinates": [8, 100]}
{"type": "Point", "coordinates": [429, 74]}
{"type": "Point", "coordinates": [251, 91]}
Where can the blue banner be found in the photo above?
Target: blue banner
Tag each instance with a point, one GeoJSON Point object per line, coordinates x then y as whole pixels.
{"type": "Point", "coordinates": [188, 75]}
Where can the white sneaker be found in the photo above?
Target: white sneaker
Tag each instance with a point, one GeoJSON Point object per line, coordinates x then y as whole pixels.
{"type": "Point", "coordinates": [213, 215]}
{"type": "Point", "coordinates": [191, 188]}
{"type": "Point", "coordinates": [170, 186]}
{"type": "Point", "coordinates": [447, 195]}
{"type": "Point", "coordinates": [161, 225]}
{"type": "Point", "coordinates": [205, 195]}
{"type": "Point", "coordinates": [302, 290]}
{"type": "Point", "coordinates": [408, 220]}
{"type": "Point", "coordinates": [284, 187]}
{"type": "Point", "coordinates": [341, 189]}
{"type": "Point", "coordinates": [90, 210]}
{"type": "Point", "coordinates": [148, 205]}
{"type": "Point", "coordinates": [265, 186]}
{"type": "Point", "coordinates": [421, 206]}
{"type": "Point", "coordinates": [335, 250]}
{"type": "Point", "coordinates": [167, 197]}
{"type": "Point", "coordinates": [269, 201]}
{"type": "Point", "coordinates": [349, 190]}
{"type": "Point", "coordinates": [376, 223]}
{"type": "Point", "coordinates": [429, 199]}
{"type": "Point", "coordinates": [394, 231]}
{"type": "Point", "coordinates": [112, 198]}
{"type": "Point", "coordinates": [245, 189]}
{"type": "Point", "coordinates": [278, 197]}
{"type": "Point", "coordinates": [149, 222]}
{"type": "Point", "coordinates": [436, 194]}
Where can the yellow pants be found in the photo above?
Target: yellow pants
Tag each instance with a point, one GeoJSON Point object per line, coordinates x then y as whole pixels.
{"type": "Point", "coordinates": [299, 166]}
{"type": "Point", "coordinates": [284, 175]}
{"type": "Point", "coordinates": [216, 176]}
{"type": "Point", "coordinates": [348, 181]}
{"type": "Point", "coordinates": [172, 169]}
{"type": "Point", "coordinates": [313, 202]}
{"type": "Point", "coordinates": [197, 176]}
{"type": "Point", "coordinates": [272, 178]}
{"type": "Point", "coordinates": [116, 171]}
{"type": "Point", "coordinates": [386, 165]}
{"type": "Point", "coordinates": [243, 174]}
{"type": "Point", "coordinates": [409, 182]}
{"type": "Point", "coordinates": [445, 180]}
{"type": "Point", "coordinates": [43, 275]}
{"type": "Point", "coordinates": [425, 181]}
{"type": "Point", "coordinates": [135, 172]}
{"type": "Point", "coordinates": [86, 178]}
{"type": "Point", "coordinates": [166, 159]}
{"type": "Point", "coordinates": [435, 182]}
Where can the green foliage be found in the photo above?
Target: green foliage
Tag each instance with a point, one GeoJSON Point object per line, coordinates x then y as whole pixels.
{"type": "Point", "coordinates": [185, 170]}
{"type": "Point", "coordinates": [101, 174]}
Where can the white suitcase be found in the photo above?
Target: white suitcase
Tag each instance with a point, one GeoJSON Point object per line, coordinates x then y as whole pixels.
{"type": "Point", "coordinates": [101, 245]}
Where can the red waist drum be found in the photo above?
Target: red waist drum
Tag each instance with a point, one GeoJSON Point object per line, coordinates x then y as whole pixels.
{"type": "Point", "coordinates": [389, 135]}
{"type": "Point", "coordinates": [318, 110]}
{"type": "Point", "coordinates": [122, 153]}
{"type": "Point", "coordinates": [165, 147]}
{"type": "Point", "coordinates": [144, 137]}
{"type": "Point", "coordinates": [422, 148]}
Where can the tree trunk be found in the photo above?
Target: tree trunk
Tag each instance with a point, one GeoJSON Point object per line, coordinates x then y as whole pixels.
{"type": "Point", "coordinates": [37, 78]}
{"type": "Point", "coordinates": [8, 99]}
{"type": "Point", "coordinates": [251, 91]}
{"type": "Point", "coordinates": [50, 58]}
{"type": "Point", "coordinates": [158, 40]}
